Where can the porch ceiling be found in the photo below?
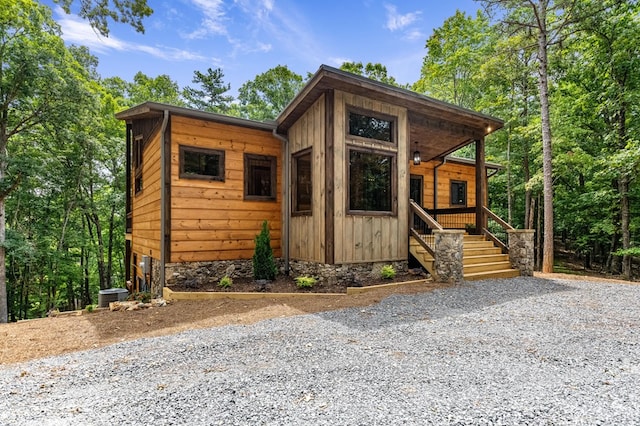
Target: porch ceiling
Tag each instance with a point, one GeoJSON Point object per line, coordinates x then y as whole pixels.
{"type": "Point", "coordinates": [438, 128]}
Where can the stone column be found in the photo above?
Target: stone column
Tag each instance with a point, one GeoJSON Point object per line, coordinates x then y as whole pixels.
{"type": "Point", "coordinates": [448, 256]}
{"type": "Point", "coordinates": [521, 250]}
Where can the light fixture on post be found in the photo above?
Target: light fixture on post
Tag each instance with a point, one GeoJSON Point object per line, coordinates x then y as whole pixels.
{"type": "Point", "coordinates": [416, 156]}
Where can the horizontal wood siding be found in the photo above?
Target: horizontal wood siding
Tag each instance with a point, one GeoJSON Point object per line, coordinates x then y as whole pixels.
{"type": "Point", "coordinates": [307, 238]}
{"type": "Point", "coordinates": [446, 173]}
{"type": "Point", "coordinates": [375, 238]}
{"type": "Point", "coordinates": [145, 233]}
{"type": "Point", "coordinates": [210, 220]}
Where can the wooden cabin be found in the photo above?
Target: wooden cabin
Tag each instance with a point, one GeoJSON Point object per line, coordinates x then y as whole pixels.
{"type": "Point", "coordinates": [334, 177]}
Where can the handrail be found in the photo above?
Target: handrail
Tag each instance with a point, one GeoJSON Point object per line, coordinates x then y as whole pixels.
{"type": "Point", "coordinates": [415, 208]}
{"type": "Point", "coordinates": [491, 215]}
{"type": "Point", "coordinates": [497, 218]}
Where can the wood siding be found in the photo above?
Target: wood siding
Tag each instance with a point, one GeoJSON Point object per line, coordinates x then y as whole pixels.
{"type": "Point", "coordinates": [146, 204]}
{"type": "Point", "coordinates": [446, 173]}
{"type": "Point", "coordinates": [370, 238]}
{"type": "Point", "coordinates": [306, 234]}
{"type": "Point", "coordinates": [211, 220]}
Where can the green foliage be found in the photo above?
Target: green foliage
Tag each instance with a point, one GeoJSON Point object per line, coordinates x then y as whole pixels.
{"type": "Point", "coordinates": [90, 308]}
{"type": "Point", "coordinates": [264, 265]}
{"type": "Point", "coordinates": [305, 281]}
{"type": "Point", "coordinates": [388, 272]}
{"type": "Point", "coordinates": [225, 282]}
{"type": "Point", "coordinates": [130, 12]}
{"type": "Point", "coordinates": [142, 296]}
{"type": "Point", "coordinates": [633, 251]}
{"type": "Point", "coordinates": [375, 71]}
{"type": "Point", "coordinates": [210, 97]}
{"type": "Point", "coordinates": [269, 93]}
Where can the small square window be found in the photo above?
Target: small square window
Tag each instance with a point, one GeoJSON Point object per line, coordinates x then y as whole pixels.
{"type": "Point", "coordinates": [200, 163]}
{"type": "Point", "coordinates": [259, 177]}
{"type": "Point", "coordinates": [458, 193]}
{"type": "Point", "coordinates": [302, 187]}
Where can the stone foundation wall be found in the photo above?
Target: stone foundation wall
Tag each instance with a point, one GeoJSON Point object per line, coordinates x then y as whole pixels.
{"type": "Point", "coordinates": [198, 273]}
{"type": "Point", "coordinates": [352, 274]}
{"type": "Point", "coordinates": [155, 286]}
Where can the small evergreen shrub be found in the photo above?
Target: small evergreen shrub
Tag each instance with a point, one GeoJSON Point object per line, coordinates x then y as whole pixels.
{"type": "Point", "coordinates": [305, 281]}
{"type": "Point", "coordinates": [225, 282]}
{"type": "Point", "coordinates": [264, 265]}
{"type": "Point", "coordinates": [388, 272]}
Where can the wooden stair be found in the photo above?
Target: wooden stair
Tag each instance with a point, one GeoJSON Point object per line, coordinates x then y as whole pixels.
{"type": "Point", "coordinates": [481, 259]}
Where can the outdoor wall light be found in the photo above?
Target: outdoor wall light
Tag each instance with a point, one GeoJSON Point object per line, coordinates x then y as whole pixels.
{"type": "Point", "coordinates": [416, 156]}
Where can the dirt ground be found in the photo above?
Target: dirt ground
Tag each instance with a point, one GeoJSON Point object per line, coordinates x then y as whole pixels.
{"type": "Point", "coordinates": [26, 340]}
{"type": "Point", "coordinates": [37, 338]}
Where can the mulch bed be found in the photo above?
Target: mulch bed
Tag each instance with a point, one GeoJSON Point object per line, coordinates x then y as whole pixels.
{"type": "Point", "coordinates": [287, 284]}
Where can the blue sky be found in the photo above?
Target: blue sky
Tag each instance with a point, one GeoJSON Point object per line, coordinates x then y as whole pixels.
{"type": "Point", "coordinates": [247, 37]}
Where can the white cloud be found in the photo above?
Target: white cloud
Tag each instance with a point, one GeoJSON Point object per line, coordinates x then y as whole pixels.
{"type": "Point", "coordinates": [396, 21]}
{"type": "Point", "coordinates": [78, 31]}
{"type": "Point", "coordinates": [213, 21]}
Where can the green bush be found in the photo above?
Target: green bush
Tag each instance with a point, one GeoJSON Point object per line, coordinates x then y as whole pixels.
{"type": "Point", "coordinates": [225, 282]}
{"type": "Point", "coordinates": [264, 265]}
{"type": "Point", "coordinates": [305, 281]}
{"type": "Point", "coordinates": [143, 296]}
{"type": "Point", "coordinates": [388, 272]}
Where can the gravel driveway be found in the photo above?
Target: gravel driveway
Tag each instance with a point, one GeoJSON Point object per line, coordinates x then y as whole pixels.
{"type": "Point", "coordinates": [509, 352]}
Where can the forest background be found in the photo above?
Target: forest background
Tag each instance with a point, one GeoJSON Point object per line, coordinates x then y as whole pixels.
{"type": "Point", "coordinates": [563, 75]}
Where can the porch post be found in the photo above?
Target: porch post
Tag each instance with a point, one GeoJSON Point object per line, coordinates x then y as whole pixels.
{"type": "Point", "coordinates": [481, 186]}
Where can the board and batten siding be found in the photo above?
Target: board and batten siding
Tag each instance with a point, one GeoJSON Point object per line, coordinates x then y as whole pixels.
{"type": "Point", "coordinates": [370, 238]}
{"type": "Point", "coordinates": [211, 220]}
{"type": "Point", "coordinates": [450, 171]}
{"type": "Point", "coordinates": [307, 232]}
{"type": "Point", "coordinates": [146, 204]}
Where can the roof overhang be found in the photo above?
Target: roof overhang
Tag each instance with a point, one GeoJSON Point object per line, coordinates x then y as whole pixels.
{"type": "Point", "coordinates": [437, 127]}
{"type": "Point", "coordinates": [155, 109]}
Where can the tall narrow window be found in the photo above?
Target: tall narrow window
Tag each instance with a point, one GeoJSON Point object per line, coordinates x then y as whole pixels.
{"type": "Point", "coordinates": [259, 177]}
{"type": "Point", "coordinates": [302, 189]}
{"type": "Point", "coordinates": [371, 126]}
{"type": "Point", "coordinates": [371, 182]}
{"type": "Point", "coordinates": [458, 193]}
{"type": "Point", "coordinates": [138, 147]}
{"type": "Point", "coordinates": [200, 163]}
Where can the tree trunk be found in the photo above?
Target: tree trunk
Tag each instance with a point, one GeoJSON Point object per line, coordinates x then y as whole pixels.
{"type": "Point", "coordinates": [543, 85]}
{"type": "Point", "coordinates": [539, 236]}
{"type": "Point", "coordinates": [4, 306]}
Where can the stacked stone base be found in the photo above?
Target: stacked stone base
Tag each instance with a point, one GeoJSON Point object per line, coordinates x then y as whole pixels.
{"type": "Point", "coordinates": [198, 273]}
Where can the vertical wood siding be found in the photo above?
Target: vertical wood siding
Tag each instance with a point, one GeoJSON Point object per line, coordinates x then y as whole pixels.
{"type": "Point", "coordinates": [210, 220]}
{"type": "Point", "coordinates": [370, 238]}
{"type": "Point", "coordinates": [307, 237]}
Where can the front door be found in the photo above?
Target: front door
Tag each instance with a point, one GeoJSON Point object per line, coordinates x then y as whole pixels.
{"type": "Point", "coordinates": [416, 188]}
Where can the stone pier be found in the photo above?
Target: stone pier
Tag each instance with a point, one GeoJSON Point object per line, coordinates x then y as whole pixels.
{"type": "Point", "coordinates": [521, 250]}
{"type": "Point", "coordinates": [448, 256]}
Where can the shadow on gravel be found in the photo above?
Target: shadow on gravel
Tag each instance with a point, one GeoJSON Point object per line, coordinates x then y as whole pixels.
{"type": "Point", "coordinates": [446, 302]}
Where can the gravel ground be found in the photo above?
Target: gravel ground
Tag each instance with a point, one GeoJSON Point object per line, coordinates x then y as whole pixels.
{"type": "Point", "coordinates": [510, 352]}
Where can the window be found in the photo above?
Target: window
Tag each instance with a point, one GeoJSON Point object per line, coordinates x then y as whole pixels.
{"type": "Point", "coordinates": [458, 193]}
{"type": "Point", "coordinates": [259, 177]}
{"type": "Point", "coordinates": [368, 126]}
{"type": "Point", "coordinates": [371, 181]}
{"type": "Point", "coordinates": [200, 163]}
{"type": "Point", "coordinates": [138, 147]}
{"type": "Point", "coordinates": [302, 188]}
